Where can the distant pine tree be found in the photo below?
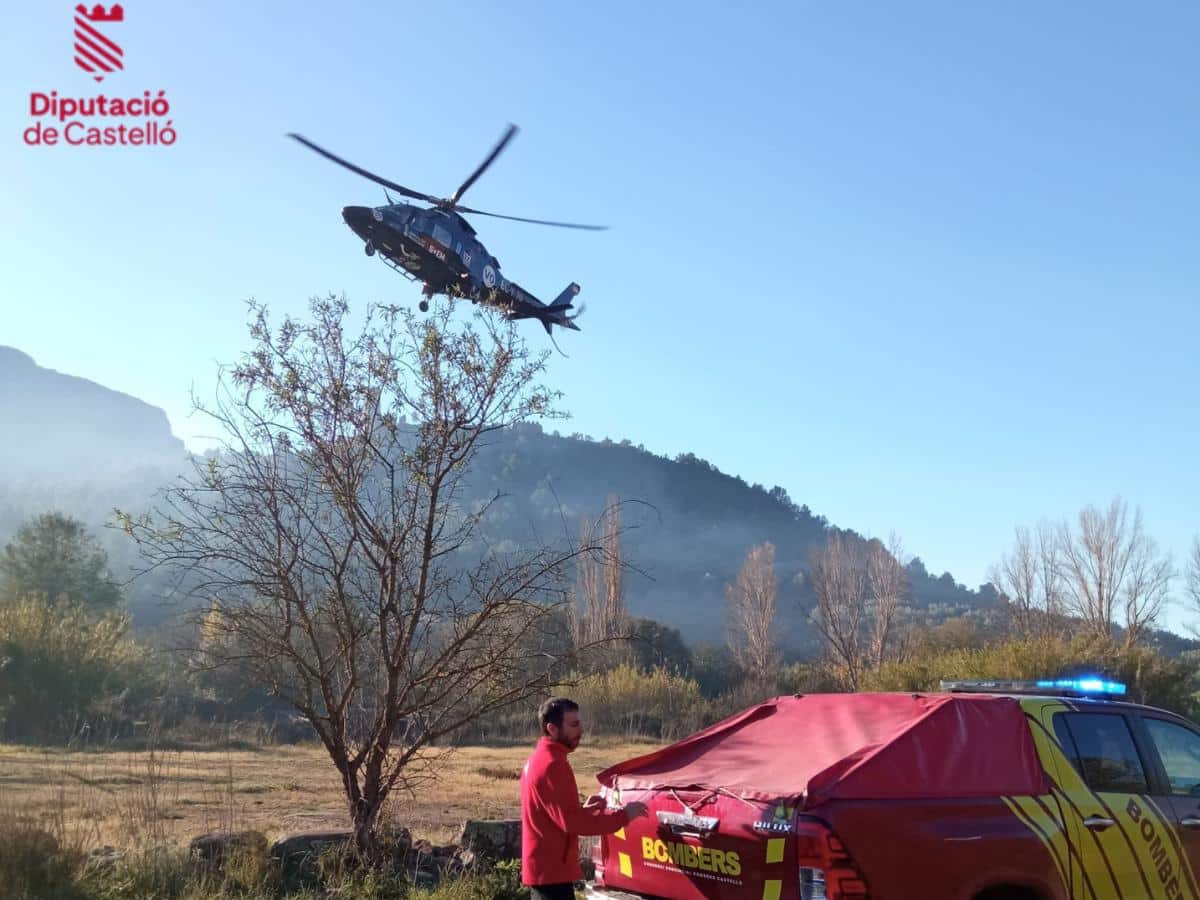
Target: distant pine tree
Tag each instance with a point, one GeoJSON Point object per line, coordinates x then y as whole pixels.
{"type": "Point", "coordinates": [55, 558]}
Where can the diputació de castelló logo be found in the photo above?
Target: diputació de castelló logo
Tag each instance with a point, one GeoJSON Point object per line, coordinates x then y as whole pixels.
{"type": "Point", "coordinates": [99, 120]}
{"type": "Point", "coordinates": [95, 51]}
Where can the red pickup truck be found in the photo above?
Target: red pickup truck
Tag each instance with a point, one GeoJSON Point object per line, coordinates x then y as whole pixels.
{"type": "Point", "coordinates": [992, 791]}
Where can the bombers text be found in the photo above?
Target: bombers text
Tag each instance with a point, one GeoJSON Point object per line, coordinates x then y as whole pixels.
{"type": "Point", "coordinates": [724, 862]}
{"type": "Point", "coordinates": [1156, 848]}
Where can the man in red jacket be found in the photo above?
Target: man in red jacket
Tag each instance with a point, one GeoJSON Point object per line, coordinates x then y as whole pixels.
{"type": "Point", "coordinates": [552, 818]}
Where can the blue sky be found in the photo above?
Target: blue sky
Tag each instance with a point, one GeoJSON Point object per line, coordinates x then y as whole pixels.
{"type": "Point", "coordinates": [931, 267]}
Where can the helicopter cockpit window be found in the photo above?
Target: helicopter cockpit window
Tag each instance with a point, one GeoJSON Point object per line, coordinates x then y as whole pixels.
{"type": "Point", "coordinates": [441, 234]}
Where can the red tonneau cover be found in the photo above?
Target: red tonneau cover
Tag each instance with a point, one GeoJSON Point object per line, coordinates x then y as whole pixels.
{"type": "Point", "coordinates": [863, 746]}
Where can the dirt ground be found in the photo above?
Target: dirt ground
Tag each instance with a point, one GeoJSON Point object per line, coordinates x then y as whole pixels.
{"type": "Point", "coordinates": [125, 798]}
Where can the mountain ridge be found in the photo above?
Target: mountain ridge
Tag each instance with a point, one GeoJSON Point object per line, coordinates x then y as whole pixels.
{"type": "Point", "coordinates": [99, 429]}
{"type": "Point", "coordinates": [688, 524]}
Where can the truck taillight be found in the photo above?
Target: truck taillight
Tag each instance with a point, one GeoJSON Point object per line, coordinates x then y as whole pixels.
{"type": "Point", "coordinates": [826, 870]}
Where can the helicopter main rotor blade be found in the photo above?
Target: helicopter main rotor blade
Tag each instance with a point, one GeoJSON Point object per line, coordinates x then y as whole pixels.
{"type": "Point", "coordinates": [398, 188]}
{"type": "Point", "coordinates": [491, 158]}
{"type": "Point", "coordinates": [480, 212]}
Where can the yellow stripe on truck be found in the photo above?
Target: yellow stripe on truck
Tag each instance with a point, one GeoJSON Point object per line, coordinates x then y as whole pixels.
{"type": "Point", "coordinates": [1045, 827]}
{"type": "Point", "coordinates": [772, 889]}
{"type": "Point", "coordinates": [775, 850]}
{"type": "Point", "coordinates": [625, 864]}
{"type": "Point", "coordinates": [1158, 847]}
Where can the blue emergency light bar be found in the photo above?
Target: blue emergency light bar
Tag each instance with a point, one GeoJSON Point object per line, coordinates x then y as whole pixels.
{"type": "Point", "coordinates": [1085, 685]}
{"type": "Point", "coordinates": [1054, 686]}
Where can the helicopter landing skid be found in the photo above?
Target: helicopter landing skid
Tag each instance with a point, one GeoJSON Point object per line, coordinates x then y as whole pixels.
{"type": "Point", "coordinates": [395, 266]}
{"type": "Point", "coordinates": [392, 264]}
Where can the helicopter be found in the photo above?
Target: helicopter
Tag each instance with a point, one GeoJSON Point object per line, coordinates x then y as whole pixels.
{"type": "Point", "coordinates": [438, 247]}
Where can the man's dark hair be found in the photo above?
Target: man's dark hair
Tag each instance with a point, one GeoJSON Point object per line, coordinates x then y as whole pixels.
{"type": "Point", "coordinates": [552, 711]}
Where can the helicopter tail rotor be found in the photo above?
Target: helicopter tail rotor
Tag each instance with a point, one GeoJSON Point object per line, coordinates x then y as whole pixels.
{"type": "Point", "coordinates": [558, 313]}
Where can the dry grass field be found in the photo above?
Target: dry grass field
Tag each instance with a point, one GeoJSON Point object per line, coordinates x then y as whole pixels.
{"type": "Point", "coordinates": [128, 798]}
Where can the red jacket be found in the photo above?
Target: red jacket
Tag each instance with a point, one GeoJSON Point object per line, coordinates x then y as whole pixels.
{"type": "Point", "coordinates": [552, 818]}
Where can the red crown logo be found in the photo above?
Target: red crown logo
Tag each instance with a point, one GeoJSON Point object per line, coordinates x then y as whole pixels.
{"type": "Point", "coordinates": [95, 52]}
{"type": "Point", "coordinates": [97, 14]}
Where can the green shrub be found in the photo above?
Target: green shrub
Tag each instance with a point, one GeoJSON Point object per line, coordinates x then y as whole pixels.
{"type": "Point", "coordinates": [501, 883]}
{"type": "Point", "coordinates": [33, 864]}
{"type": "Point", "coordinates": [1152, 679]}
{"type": "Point", "coordinates": [628, 702]}
{"type": "Point", "coordinates": [61, 667]}
{"type": "Point", "coordinates": [152, 875]}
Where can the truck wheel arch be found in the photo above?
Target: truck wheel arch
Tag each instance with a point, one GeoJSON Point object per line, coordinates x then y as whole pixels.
{"type": "Point", "coordinates": [1009, 892]}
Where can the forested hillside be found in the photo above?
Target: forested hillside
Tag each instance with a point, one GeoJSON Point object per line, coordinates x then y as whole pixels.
{"type": "Point", "coordinates": [687, 525]}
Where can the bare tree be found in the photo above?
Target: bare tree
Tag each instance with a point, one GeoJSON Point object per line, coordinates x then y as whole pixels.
{"type": "Point", "coordinates": [351, 583]}
{"type": "Point", "coordinates": [751, 603]}
{"type": "Point", "coordinates": [587, 615]}
{"type": "Point", "coordinates": [1050, 578]}
{"type": "Point", "coordinates": [1144, 593]}
{"type": "Point", "coordinates": [887, 584]}
{"type": "Point", "coordinates": [1110, 564]}
{"type": "Point", "coordinates": [839, 582]}
{"type": "Point", "coordinates": [599, 617]}
{"type": "Point", "coordinates": [1192, 581]}
{"type": "Point", "coordinates": [1029, 578]}
{"type": "Point", "coordinates": [615, 616]}
{"type": "Point", "coordinates": [1094, 564]}
{"type": "Point", "coordinates": [1018, 576]}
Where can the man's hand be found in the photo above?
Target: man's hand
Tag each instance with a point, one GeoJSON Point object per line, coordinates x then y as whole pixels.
{"type": "Point", "coordinates": [635, 810]}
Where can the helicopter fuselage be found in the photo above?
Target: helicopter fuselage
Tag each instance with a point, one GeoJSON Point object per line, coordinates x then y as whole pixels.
{"type": "Point", "coordinates": [429, 245]}
{"type": "Point", "coordinates": [439, 248]}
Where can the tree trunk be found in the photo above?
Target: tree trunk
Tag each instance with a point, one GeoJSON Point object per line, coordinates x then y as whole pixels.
{"type": "Point", "coordinates": [365, 816]}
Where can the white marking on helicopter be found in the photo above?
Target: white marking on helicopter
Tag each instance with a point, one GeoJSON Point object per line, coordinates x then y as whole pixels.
{"type": "Point", "coordinates": [466, 257]}
{"type": "Point", "coordinates": [377, 214]}
{"type": "Point", "coordinates": [489, 276]}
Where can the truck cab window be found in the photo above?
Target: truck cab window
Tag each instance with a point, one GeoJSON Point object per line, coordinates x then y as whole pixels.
{"type": "Point", "coordinates": [1179, 749]}
{"type": "Point", "coordinates": [1107, 757]}
{"type": "Point", "coordinates": [1063, 734]}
